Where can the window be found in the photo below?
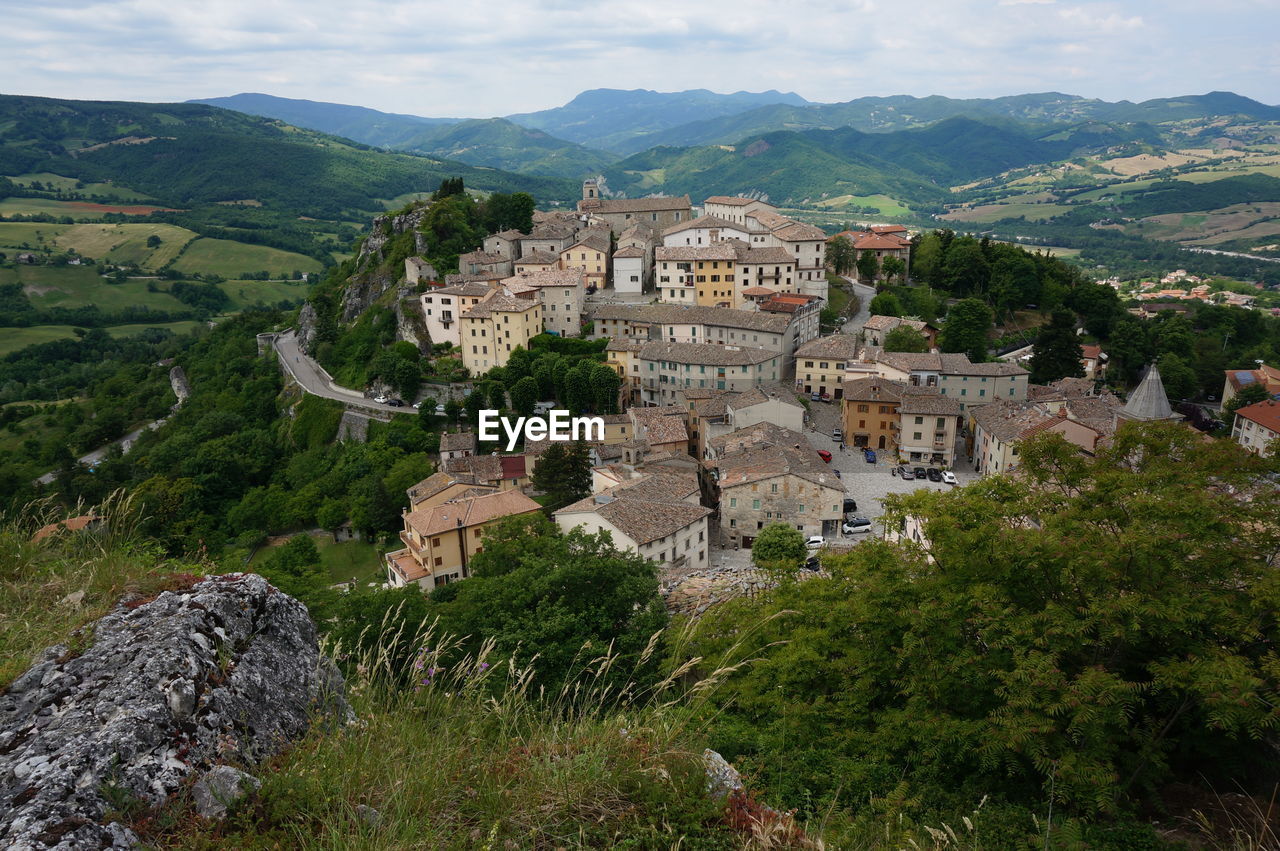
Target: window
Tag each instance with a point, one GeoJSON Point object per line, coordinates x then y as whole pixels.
{"type": "Point", "coordinates": [733, 502]}
{"type": "Point", "coordinates": [862, 409]}
{"type": "Point", "coordinates": [802, 508]}
{"type": "Point", "coordinates": [755, 504]}
{"type": "Point", "coordinates": [773, 488]}
{"type": "Point", "coordinates": [732, 523]}
{"type": "Point", "coordinates": [439, 561]}
{"type": "Point", "coordinates": [916, 436]}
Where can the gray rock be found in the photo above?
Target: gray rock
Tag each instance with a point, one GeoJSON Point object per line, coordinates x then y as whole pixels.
{"type": "Point", "coordinates": [225, 671]}
{"type": "Point", "coordinates": [369, 815]}
{"type": "Point", "coordinates": [722, 778]}
{"type": "Point", "coordinates": [220, 788]}
{"type": "Point", "coordinates": [181, 386]}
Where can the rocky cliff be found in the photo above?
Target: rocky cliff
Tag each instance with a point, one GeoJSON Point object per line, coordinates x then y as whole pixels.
{"type": "Point", "coordinates": [374, 277]}
{"type": "Point", "coordinates": [169, 691]}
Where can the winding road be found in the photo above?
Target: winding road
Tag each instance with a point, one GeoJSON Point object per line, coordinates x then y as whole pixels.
{"type": "Point", "coordinates": [864, 293]}
{"type": "Point", "coordinates": [312, 378]}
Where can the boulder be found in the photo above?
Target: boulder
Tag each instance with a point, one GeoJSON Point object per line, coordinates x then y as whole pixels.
{"type": "Point", "coordinates": [220, 788]}
{"type": "Point", "coordinates": [227, 670]}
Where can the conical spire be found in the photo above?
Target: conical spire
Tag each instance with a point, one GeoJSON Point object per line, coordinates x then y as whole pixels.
{"type": "Point", "coordinates": [1148, 401]}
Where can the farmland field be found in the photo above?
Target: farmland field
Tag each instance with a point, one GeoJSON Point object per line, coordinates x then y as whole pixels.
{"type": "Point", "coordinates": [76, 286]}
{"type": "Point", "coordinates": [246, 293]}
{"type": "Point", "coordinates": [17, 338]}
{"type": "Point", "coordinates": [79, 210]}
{"type": "Point", "coordinates": [126, 243]}
{"type": "Point", "coordinates": [994, 212]}
{"type": "Point", "coordinates": [68, 184]}
{"type": "Point", "coordinates": [28, 235]}
{"type": "Point", "coordinates": [231, 259]}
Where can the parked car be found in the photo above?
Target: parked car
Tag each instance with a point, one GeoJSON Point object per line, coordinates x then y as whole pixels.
{"type": "Point", "coordinates": [826, 397]}
{"type": "Point", "coordinates": [907, 474]}
{"type": "Point", "coordinates": [869, 455]}
{"type": "Point", "coordinates": [824, 455]}
{"type": "Point", "coordinates": [815, 397]}
{"type": "Point", "coordinates": [381, 400]}
{"type": "Point", "coordinates": [815, 542]}
{"type": "Point", "coordinates": [949, 478]}
{"type": "Point", "coordinates": [439, 410]}
{"type": "Point", "coordinates": [850, 505]}
{"type": "Point", "coordinates": [856, 526]}
{"type": "Point", "coordinates": [812, 563]}
{"type": "Point", "coordinates": [395, 403]}
{"type": "Point", "coordinates": [837, 435]}
{"type": "Point", "coordinates": [921, 473]}
{"type": "Point", "coordinates": [935, 475]}
{"type": "Point", "coordinates": [416, 405]}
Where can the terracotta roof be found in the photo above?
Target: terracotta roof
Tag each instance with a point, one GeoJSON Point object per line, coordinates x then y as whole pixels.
{"type": "Point", "coordinates": [457, 440]}
{"type": "Point", "coordinates": [71, 524]}
{"type": "Point", "coordinates": [760, 434]}
{"type": "Point", "coordinates": [691, 314]}
{"type": "Point", "coordinates": [538, 278]}
{"type": "Point", "coordinates": [1063, 388]}
{"type": "Point", "coordinates": [630, 251]}
{"type": "Point", "coordinates": [1265, 413]}
{"type": "Point", "coordinates": [714, 251]}
{"type": "Point", "coordinates": [927, 400]}
{"type": "Point", "coordinates": [709, 354]}
{"type": "Point", "coordinates": [1268, 376]}
{"type": "Point", "coordinates": [539, 258]}
{"type": "Point", "coordinates": [617, 344]}
{"type": "Point", "coordinates": [513, 466]}
{"type": "Point", "coordinates": [787, 303]}
{"type": "Point", "coordinates": [503, 302]}
{"type": "Point", "coordinates": [1007, 420]}
{"type": "Point", "coordinates": [873, 389]}
{"type": "Point", "coordinates": [1091, 352]}
{"type": "Point", "coordinates": [842, 346]}
{"type": "Point", "coordinates": [731, 200]}
{"type": "Point", "coordinates": [667, 425]}
{"type": "Point", "coordinates": [509, 235]}
{"type": "Point", "coordinates": [469, 511]}
{"type": "Point", "coordinates": [757, 291]}
{"type": "Point", "coordinates": [877, 242]}
{"type": "Point", "coordinates": [888, 323]}
{"type": "Point", "coordinates": [479, 468]}
{"type": "Point", "coordinates": [468, 289]}
{"type": "Point", "coordinates": [647, 509]}
{"type": "Point", "coordinates": [775, 254]}
{"type": "Point", "coordinates": [552, 230]}
{"type": "Point", "coordinates": [889, 228]}
{"type": "Point", "coordinates": [767, 462]}
{"type": "Point", "coordinates": [704, 222]}
{"type": "Point", "coordinates": [594, 238]}
{"type": "Point", "coordinates": [635, 205]}
{"type": "Point", "coordinates": [481, 258]}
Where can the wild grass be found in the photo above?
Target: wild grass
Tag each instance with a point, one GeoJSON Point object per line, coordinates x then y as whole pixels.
{"type": "Point", "coordinates": [51, 588]}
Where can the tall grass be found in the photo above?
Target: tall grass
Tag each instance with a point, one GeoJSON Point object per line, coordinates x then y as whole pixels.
{"type": "Point", "coordinates": [51, 588]}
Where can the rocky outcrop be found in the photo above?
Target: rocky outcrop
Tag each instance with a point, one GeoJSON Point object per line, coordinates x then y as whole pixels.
{"type": "Point", "coordinates": [308, 322]}
{"type": "Point", "coordinates": [362, 290]}
{"type": "Point", "coordinates": [411, 324]}
{"type": "Point", "coordinates": [226, 671]}
{"type": "Point", "coordinates": [178, 381]}
{"type": "Point", "coordinates": [369, 283]}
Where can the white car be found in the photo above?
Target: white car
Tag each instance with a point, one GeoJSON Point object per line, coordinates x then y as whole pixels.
{"type": "Point", "coordinates": [417, 405]}
{"type": "Point", "coordinates": [856, 526]}
{"type": "Point", "coordinates": [949, 478]}
{"type": "Point", "coordinates": [815, 542]}
{"type": "Point", "coordinates": [381, 400]}
{"type": "Point", "coordinates": [439, 410]}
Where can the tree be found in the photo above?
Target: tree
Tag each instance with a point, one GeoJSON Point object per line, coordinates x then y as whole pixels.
{"type": "Point", "coordinates": [1247, 396]}
{"type": "Point", "coordinates": [780, 548]}
{"type": "Point", "coordinates": [1056, 352]}
{"type": "Point", "coordinates": [868, 266]}
{"type": "Point", "coordinates": [1122, 641]}
{"type": "Point", "coordinates": [153, 241]}
{"type": "Point", "coordinates": [926, 259]}
{"type": "Point", "coordinates": [524, 395]}
{"type": "Point", "coordinates": [965, 329]}
{"type": "Point", "coordinates": [893, 268]}
{"type": "Point", "coordinates": [964, 269]}
{"type": "Point", "coordinates": [840, 255]}
{"type": "Point", "coordinates": [1015, 282]}
{"type": "Point", "coordinates": [605, 385]}
{"type": "Point", "coordinates": [578, 395]}
{"type": "Point", "coordinates": [904, 338]}
{"type": "Point", "coordinates": [885, 304]}
{"type": "Point", "coordinates": [563, 598]}
{"type": "Point", "coordinates": [1129, 349]}
{"type": "Point", "coordinates": [1178, 378]}
{"type": "Point", "coordinates": [453, 410]}
{"type": "Point", "coordinates": [563, 474]}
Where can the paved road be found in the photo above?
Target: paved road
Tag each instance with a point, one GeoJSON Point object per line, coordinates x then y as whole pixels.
{"type": "Point", "coordinates": [93, 458]}
{"type": "Point", "coordinates": [864, 293]}
{"type": "Point", "coordinates": [312, 378]}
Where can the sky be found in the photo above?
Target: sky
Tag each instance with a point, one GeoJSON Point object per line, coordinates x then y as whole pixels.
{"type": "Point", "coordinates": [481, 58]}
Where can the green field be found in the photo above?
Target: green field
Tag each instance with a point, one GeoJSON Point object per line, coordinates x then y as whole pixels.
{"type": "Point", "coordinates": [82, 211]}
{"type": "Point", "coordinates": [18, 338]}
{"type": "Point", "coordinates": [247, 293]}
{"type": "Point", "coordinates": [68, 184]}
{"type": "Point", "coordinates": [232, 259]}
{"type": "Point", "coordinates": [75, 286]}
{"type": "Point", "coordinates": [29, 235]}
{"type": "Point", "coordinates": [126, 243]}
{"type": "Point", "coordinates": [350, 560]}
{"type": "Point", "coordinates": [995, 212]}
{"type": "Point", "coordinates": [887, 206]}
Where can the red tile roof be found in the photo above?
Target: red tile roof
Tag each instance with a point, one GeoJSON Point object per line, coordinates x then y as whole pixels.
{"type": "Point", "coordinates": [1265, 413]}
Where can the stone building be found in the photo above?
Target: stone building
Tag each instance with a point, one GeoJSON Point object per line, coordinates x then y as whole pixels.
{"type": "Point", "coordinates": [666, 368]}
{"type": "Point", "coordinates": [495, 327]}
{"type": "Point", "coordinates": [620, 214]}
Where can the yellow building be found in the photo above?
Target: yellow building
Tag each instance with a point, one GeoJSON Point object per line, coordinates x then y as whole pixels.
{"type": "Point", "coordinates": [822, 365]}
{"type": "Point", "coordinates": [441, 540]}
{"type": "Point", "coordinates": [497, 326]}
{"type": "Point", "coordinates": [590, 253]}
{"type": "Point", "coordinates": [696, 274]}
{"type": "Point", "coordinates": [869, 414]}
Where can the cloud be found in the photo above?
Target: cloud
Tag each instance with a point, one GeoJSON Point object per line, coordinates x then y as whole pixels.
{"type": "Point", "coordinates": [479, 59]}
